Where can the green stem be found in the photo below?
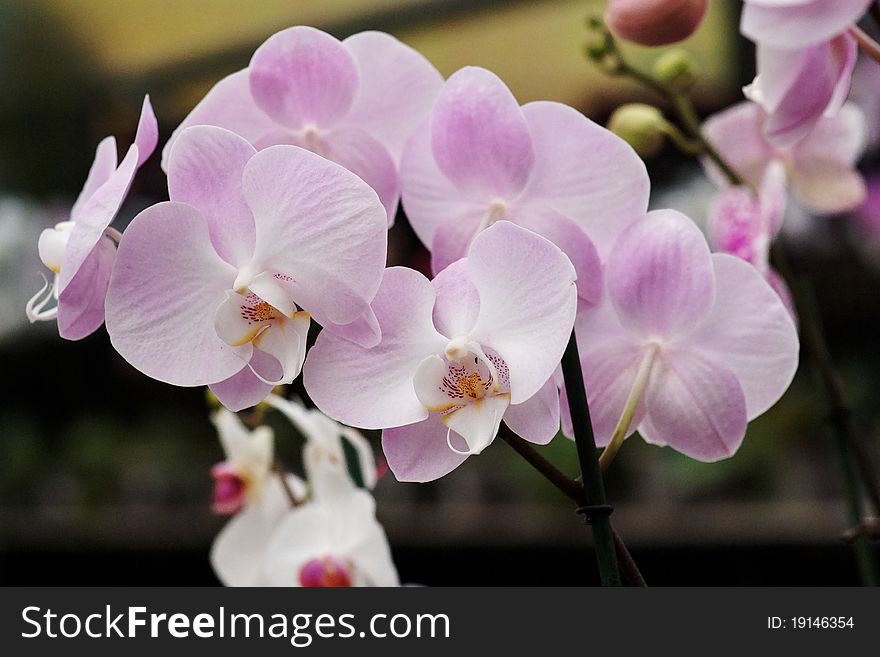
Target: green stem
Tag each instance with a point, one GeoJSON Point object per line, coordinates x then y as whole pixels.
{"type": "Point", "coordinates": [596, 509]}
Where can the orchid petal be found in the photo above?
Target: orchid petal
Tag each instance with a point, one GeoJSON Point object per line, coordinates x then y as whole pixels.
{"type": "Point", "coordinates": [798, 24]}
{"type": "Point", "coordinates": [737, 132]}
{"type": "Point", "coordinates": [364, 156]}
{"type": "Point", "coordinates": [696, 406]}
{"type": "Point", "coordinates": [372, 388]}
{"type": "Point", "coordinates": [453, 238]}
{"type": "Point", "coordinates": [398, 88]}
{"type": "Point", "coordinates": [750, 332]}
{"type": "Point", "coordinates": [528, 302]}
{"type": "Point", "coordinates": [164, 291]}
{"type": "Point", "coordinates": [429, 198]}
{"type": "Point", "coordinates": [419, 452]}
{"type": "Point", "coordinates": [573, 241]}
{"type": "Point", "coordinates": [147, 135]}
{"type": "Point", "coordinates": [660, 276]}
{"type": "Point", "coordinates": [302, 76]}
{"type": "Point", "coordinates": [102, 168]}
{"type": "Point", "coordinates": [458, 303]}
{"type": "Point", "coordinates": [204, 170]}
{"type": "Point", "coordinates": [827, 186]}
{"type": "Point", "coordinates": [321, 226]}
{"type": "Point", "coordinates": [81, 303]}
{"type": "Point", "coordinates": [286, 341]}
{"type": "Point", "coordinates": [479, 136]}
{"type": "Point", "coordinates": [842, 137]}
{"type": "Point", "coordinates": [229, 104]}
{"type": "Point", "coordinates": [537, 418]}
{"type": "Point", "coordinates": [95, 216]}
{"type": "Point", "coordinates": [243, 389]}
{"type": "Point", "coordinates": [585, 172]}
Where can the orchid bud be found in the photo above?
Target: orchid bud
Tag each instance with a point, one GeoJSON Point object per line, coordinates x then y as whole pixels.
{"type": "Point", "coordinates": [676, 68]}
{"type": "Point", "coordinates": [230, 489]}
{"type": "Point", "coordinates": [655, 22]}
{"type": "Point", "coordinates": [641, 126]}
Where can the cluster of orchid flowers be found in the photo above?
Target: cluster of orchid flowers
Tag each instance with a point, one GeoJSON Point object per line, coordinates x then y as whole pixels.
{"type": "Point", "coordinates": [283, 182]}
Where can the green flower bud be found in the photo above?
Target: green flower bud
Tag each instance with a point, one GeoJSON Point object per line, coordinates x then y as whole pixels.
{"type": "Point", "coordinates": [677, 69]}
{"type": "Point", "coordinates": [641, 126]}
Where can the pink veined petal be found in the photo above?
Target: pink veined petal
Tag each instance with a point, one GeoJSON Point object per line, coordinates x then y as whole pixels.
{"type": "Point", "coordinates": [827, 186]}
{"type": "Point", "coordinates": [398, 88]}
{"type": "Point", "coordinates": [781, 288]}
{"type": "Point", "coordinates": [751, 332]}
{"type": "Point", "coordinates": [799, 25]}
{"type": "Point", "coordinates": [477, 423]}
{"type": "Point", "coordinates": [660, 276]}
{"type": "Point", "coordinates": [585, 172]}
{"type": "Point", "coordinates": [458, 302]}
{"type": "Point", "coordinates": [237, 552]}
{"type": "Point", "coordinates": [429, 197]}
{"type": "Point", "coordinates": [821, 79]}
{"type": "Point", "coordinates": [479, 135]}
{"type": "Point", "coordinates": [528, 303]}
{"type": "Point", "coordinates": [610, 371]}
{"type": "Point", "coordinates": [204, 171]}
{"type": "Point", "coordinates": [537, 418]}
{"type": "Point", "coordinates": [373, 388]}
{"type": "Point", "coordinates": [286, 341]}
{"type": "Point", "coordinates": [102, 168]}
{"type": "Point", "coordinates": [842, 137]}
{"type": "Point", "coordinates": [302, 76]}
{"type": "Point", "coordinates": [735, 225]}
{"type": "Point", "coordinates": [419, 452]}
{"type": "Point", "coordinates": [453, 237]}
{"type": "Point", "coordinates": [164, 291]}
{"type": "Point", "coordinates": [696, 406]}
{"type": "Point", "coordinates": [243, 389]}
{"type": "Point", "coordinates": [229, 105]}
{"type": "Point", "coordinates": [320, 225]}
{"type": "Point", "coordinates": [95, 216]}
{"type": "Point", "coordinates": [358, 152]}
{"type": "Point", "coordinates": [737, 133]}
{"type": "Point", "coordinates": [81, 304]}
{"type": "Point", "coordinates": [573, 241]}
{"type": "Point", "coordinates": [147, 135]}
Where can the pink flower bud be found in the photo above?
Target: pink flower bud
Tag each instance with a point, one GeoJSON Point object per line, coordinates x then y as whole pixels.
{"type": "Point", "coordinates": [229, 489]}
{"type": "Point", "coordinates": [655, 22]}
{"type": "Point", "coordinates": [325, 572]}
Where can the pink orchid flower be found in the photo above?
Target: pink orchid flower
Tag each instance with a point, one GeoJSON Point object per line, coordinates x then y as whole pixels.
{"type": "Point", "coordinates": [354, 102]}
{"type": "Point", "coordinates": [481, 158]}
{"type": "Point", "coordinates": [216, 287]}
{"type": "Point", "coordinates": [80, 250]}
{"type": "Point", "coordinates": [744, 225]}
{"type": "Point", "coordinates": [478, 343]}
{"type": "Point", "coordinates": [820, 168]}
{"type": "Point", "coordinates": [686, 346]}
{"type": "Point", "coordinates": [805, 61]}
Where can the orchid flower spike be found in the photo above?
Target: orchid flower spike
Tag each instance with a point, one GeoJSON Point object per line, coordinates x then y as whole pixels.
{"type": "Point", "coordinates": [481, 158]}
{"type": "Point", "coordinates": [354, 102]}
{"type": "Point", "coordinates": [80, 251]}
{"type": "Point", "coordinates": [820, 168]}
{"type": "Point", "coordinates": [745, 225]}
{"type": "Point", "coordinates": [324, 454]}
{"type": "Point", "coordinates": [477, 344]}
{"type": "Point", "coordinates": [217, 286]}
{"type": "Point", "coordinates": [687, 346]}
{"type": "Point", "coordinates": [246, 486]}
{"type": "Point", "coordinates": [330, 543]}
{"type": "Point", "coordinates": [805, 60]}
